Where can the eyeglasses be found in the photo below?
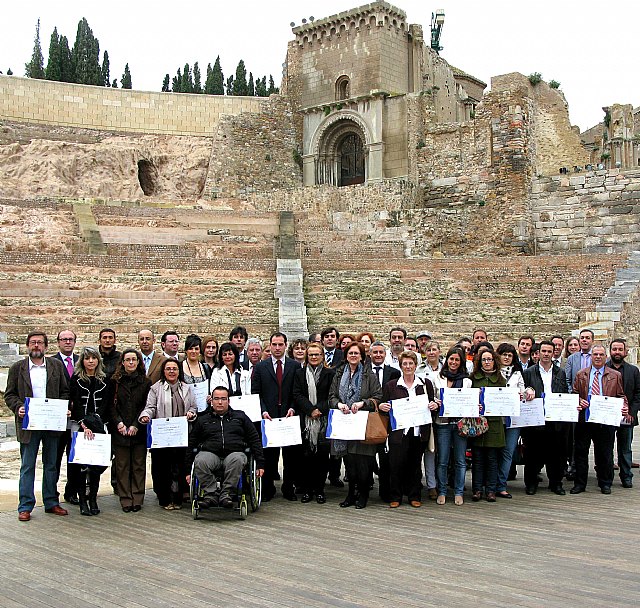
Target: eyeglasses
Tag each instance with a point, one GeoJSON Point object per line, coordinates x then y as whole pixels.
{"type": "Point", "coordinates": [131, 360]}
{"type": "Point", "coordinates": [36, 342]}
{"type": "Point", "coordinates": [484, 360]}
{"type": "Point", "coordinates": [66, 339]}
{"type": "Point", "coordinates": [314, 354]}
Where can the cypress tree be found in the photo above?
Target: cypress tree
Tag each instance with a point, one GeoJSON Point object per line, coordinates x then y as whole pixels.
{"type": "Point", "coordinates": [35, 68]}
{"type": "Point", "coordinates": [197, 84]}
{"type": "Point", "coordinates": [53, 64]}
{"type": "Point", "coordinates": [66, 65]}
{"type": "Point", "coordinates": [187, 80]}
{"type": "Point", "coordinates": [165, 84]}
{"type": "Point", "coordinates": [105, 70]}
{"type": "Point", "coordinates": [125, 81]}
{"type": "Point", "coordinates": [240, 81]}
{"type": "Point", "coordinates": [261, 87]}
{"type": "Point", "coordinates": [114, 84]}
{"type": "Point", "coordinates": [217, 78]}
{"type": "Point", "coordinates": [177, 82]}
{"type": "Point", "coordinates": [208, 82]}
{"type": "Point", "coordinates": [251, 91]}
{"type": "Point", "coordinates": [230, 85]}
{"type": "Point", "coordinates": [9, 72]}
{"type": "Point", "coordinates": [272, 87]}
{"type": "Point", "coordinates": [85, 56]}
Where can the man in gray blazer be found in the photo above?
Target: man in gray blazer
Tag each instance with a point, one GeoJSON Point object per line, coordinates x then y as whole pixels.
{"type": "Point", "coordinates": [36, 376]}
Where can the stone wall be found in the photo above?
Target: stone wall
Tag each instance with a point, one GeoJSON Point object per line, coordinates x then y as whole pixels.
{"type": "Point", "coordinates": [74, 105]}
{"type": "Point", "coordinates": [594, 211]}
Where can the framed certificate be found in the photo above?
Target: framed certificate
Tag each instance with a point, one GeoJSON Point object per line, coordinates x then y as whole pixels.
{"type": "Point", "coordinates": [168, 433]}
{"type": "Point", "coordinates": [604, 410]}
{"type": "Point", "coordinates": [281, 432]}
{"type": "Point", "coordinates": [531, 414]}
{"type": "Point", "coordinates": [409, 412]}
{"type": "Point", "coordinates": [200, 391]}
{"type": "Point", "coordinates": [95, 451]}
{"type": "Point", "coordinates": [249, 404]}
{"type": "Point", "coordinates": [347, 426]}
{"type": "Point", "coordinates": [44, 414]}
{"type": "Point", "coordinates": [500, 401]}
{"type": "Point", "coordinates": [561, 407]}
{"type": "Point", "coordinates": [460, 402]}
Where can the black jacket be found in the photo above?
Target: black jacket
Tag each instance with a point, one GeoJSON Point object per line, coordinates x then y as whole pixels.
{"type": "Point", "coordinates": [130, 398]}
{"type": "Point", "coordinates": [264, 384]}
{"type": "Point", "coordinates": [533, 379]}
{"type": "Point", "coordinates": [222, 435]}
{"type": "Point", "coordinates": [393, 391]}
{"type": "Point", "coordinates": [88, 397]}
{"type": "Point", "coordinates": [631, 386]}
{"type": "Point", "coordinates": [301, 402]}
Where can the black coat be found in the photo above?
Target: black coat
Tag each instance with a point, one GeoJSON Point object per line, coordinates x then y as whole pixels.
{"type": "Point", "coordinates": [388, 373]}
{"type": "Point", "coordinates": [301, 402]}
{"type": "Point", "coordinates": [264, 384]}
{"type": "Point", "coordinates": [631, 386]}
{"type": "Point", "coordinates": [393, 391]}
{"type": "Point", "coordinates": [87, 399]}
{"type": "Point", "coordinates": [62, 360]}
{"type": "Point", "coordinates": [533, 379]}
{"type": "Point", "coordinates": [222, 435]}
{"type": "Point", "coordinates": [130, 398]}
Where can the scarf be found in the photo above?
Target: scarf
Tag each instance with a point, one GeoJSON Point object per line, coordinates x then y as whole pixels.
{"type": "Point", "coordinates": [350, 386]}
{"type": "Point", "coordinates": [312, 426]}
{"type": "Point", "coordinates": [455, 377]}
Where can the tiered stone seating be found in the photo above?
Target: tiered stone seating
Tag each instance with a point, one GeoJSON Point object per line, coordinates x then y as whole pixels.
{"type": "Point", "coordinates": [451, 297]}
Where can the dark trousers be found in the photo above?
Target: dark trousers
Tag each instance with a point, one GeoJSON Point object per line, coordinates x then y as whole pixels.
{"type": "Point", "coordinates": [77, 480]}
{"type": "Point", "coordinates": [314, 469]}
{"type": "Point", "coordinates": [603, 437]}
{"type": "Point", "coordinates": [545, 446]}
{"type": "Point", "coordinates": [169, 475]}
{"type": "Point", "coordinates": [384, 490]}
{"type": "Point", "coordinates": [359, 470]}
{"type": "Point", "coordinates": [335, 468]}
{"type": "Point", "coordinates": [291, 456]}
{"type": "Point", "coordinates": [484, 469]}
{"type": "Point", "coordinates": [131, 473]}
{"type": "Point", "coordinates": [63, 446]}
{"type": "Point", "coordinates": [405, 460]}
{"type": "Point", "coordinates": [624, 439]}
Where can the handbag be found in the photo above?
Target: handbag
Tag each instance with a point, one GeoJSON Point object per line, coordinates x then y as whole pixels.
{"type": "Point", "coordinates": [94, 423]}
{"type": "Point", "coordinates": [377, 428]}
{"type": "Point", "coordinates": [473, 427]}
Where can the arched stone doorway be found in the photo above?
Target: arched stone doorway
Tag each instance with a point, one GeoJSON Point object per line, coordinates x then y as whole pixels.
{"type": "Point", "coordinates": [351, 160]}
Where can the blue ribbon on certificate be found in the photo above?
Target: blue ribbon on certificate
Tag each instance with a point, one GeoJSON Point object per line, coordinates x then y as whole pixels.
{"type": "Point", "coordinates": [482, 401]}
{"type": "Point", "coordinates": [392, 420]}
{"type": "Point", "coordinates": [72, 447]}
{"type": "Point", "coordinates": [25, 420]}
{"type": "Point", "coordinates": [264, 435]}
{"type": "Point", "coordinates": [329, 424]}
{"type": "Point", "coordinates": [441, 410]}
{"type": "Point", "coordinates": [149, 437]}
{"type": "Point", "coordinates": [586, 411]}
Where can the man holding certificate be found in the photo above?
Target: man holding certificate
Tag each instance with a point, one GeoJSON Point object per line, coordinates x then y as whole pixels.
{"type": "Point", "coordinates": [39, 378]}
{"type": "Point", "coordinates": [596, 380]}
{"type": "Point", "coordinates": [545, 445]}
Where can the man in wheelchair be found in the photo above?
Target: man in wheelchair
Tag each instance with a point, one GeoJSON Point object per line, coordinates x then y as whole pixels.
{"type": "Point", "coordinates": [217, 440]}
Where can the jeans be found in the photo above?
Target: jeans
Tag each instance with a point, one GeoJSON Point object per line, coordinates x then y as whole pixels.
{"type": "Point", "coordinates": [484, 469]}
{"type": "Point", "coordinates": [429, 459]}
{"type": "Point", "coordinates": [505, 456]}
{"type": "Point", "coordinates": [624, 437]}
{"type": "Point", "coordinates": [29, 456]}
{"type": "Point", "coordinates": [447, 436]}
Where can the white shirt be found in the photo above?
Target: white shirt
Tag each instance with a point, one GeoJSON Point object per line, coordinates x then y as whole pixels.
{"type": "Point", "coordinates": [274, 362]}
{"type": "Point", "coordinates": [392, 360]}
{"type": "Point", "coordinates": [412, 393]}
{"type": "Point", "coordinates": [146, 359]}
{"type": "Point", "coordinates": [546, 378]}
{"type": "Point", "coordinates": [38, 375]}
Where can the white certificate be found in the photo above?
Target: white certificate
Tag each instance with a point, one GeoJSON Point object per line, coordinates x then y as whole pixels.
{"type": "Point", "coordinates": [561, 407]}
{"type": "Point", "coordinates": [45, 414]}
{"type": "Point", "coordinates": [501, 401]}
{"type": "Point", "coordinates": [90, 451]}
{"type": "Point", "coordinates": [168, 433]}
{"type": "Point", "coordinates": [460, 402]}
{"type": "Point", "coordinates": [200, 391]}
{"type": "Point", "coordinates": [347, 426]}
{"type": "Point", "coordinates": [531, 414]}
{"type": "Point", "coordinates": [409, 412]}
{"type": "Point", "coordinates": [280, 432]}
{"type": "Point", "coordinates": [605, 410]}
{"type": "Point", "coordinates": [249, 404]}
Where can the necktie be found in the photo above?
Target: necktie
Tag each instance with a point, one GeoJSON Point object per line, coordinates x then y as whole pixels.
{"type": "Point", "coordinates": [70, 366]}
{"type": "Point", "coordinates": [556, 362]}
{"type": "Point", "coordinates": [279, 380]}
{"type": "Point", "coordinates": [378, 368]}
{"type": "Point", "coordinates": [595, 385]}
{"type": "Point", "coordinates": [329, 357]}
{"type": "Point", "coordinates": [238, 391]}
{"type": "Point", "coordinates": [586, 360]}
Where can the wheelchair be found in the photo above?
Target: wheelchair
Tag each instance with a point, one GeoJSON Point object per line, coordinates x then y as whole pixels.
{"type": "Point", "coordinates": [248, 492]}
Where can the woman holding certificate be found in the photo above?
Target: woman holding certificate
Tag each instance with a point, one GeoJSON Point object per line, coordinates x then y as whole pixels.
{"type": "Point", "coordinates": [486, 447]}
{"type": "Point", "coordinates": [170, 397]}
{"type": "Point", "coordinates": [89, 398]}
{"type": "Point", "coordinates": [311, 386]}
{"type": "Point", "coordinates": [229, 373]}
{"type": "Point", "coordinates": [406, 445]}
{"type": "Point", "coordinates": [452, 375]}
{"type": "Point", "coordinates": [355, 387]}
{"type": "Point", "coordinates": [130, 389]}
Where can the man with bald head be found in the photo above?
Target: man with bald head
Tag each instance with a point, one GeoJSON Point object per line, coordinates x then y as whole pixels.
{"type": "Point", "coordinates": [151, 359]}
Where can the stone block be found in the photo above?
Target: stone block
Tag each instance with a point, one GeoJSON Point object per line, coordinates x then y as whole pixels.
{"type": "Point", "coordinates": [577, 180]}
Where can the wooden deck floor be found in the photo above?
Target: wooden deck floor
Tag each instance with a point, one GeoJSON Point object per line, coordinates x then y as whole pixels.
{"type": "Point", "coordinates": [543, 550]}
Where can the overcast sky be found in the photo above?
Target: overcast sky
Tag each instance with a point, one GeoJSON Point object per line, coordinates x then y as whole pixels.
{"type": "Point", "coordinates": [590, 46]}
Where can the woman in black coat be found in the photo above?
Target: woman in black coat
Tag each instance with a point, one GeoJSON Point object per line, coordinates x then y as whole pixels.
{"type": "Point", "coordinates": [311, 386]}
{"type": "Point", "coordinates": [89, 397]}
{"type": "Point", "coordinates": [130, 387]}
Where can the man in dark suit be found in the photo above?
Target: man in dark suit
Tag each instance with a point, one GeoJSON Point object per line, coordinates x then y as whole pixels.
{"type": "Point", "coordinates": [597, 379]}
{"type": "Point", "coordinates": [239, 336]}
{"type": "Point", "coordinates": [545, 445]}
{"type": "Point", "coordinates": [631, 386]}
{"type": "Point", "coordinates": [273, 381]}
{"type": "Point", "coordinates": [40, 377]}
{"type": "Point", "coordinates": [384, 373]}
{"type": "Point", "coordinates": [66, 343]}
{"type": "Point", "coordinates": [332, 354]}
{"type": "Point", "coordinates": [151, 359]}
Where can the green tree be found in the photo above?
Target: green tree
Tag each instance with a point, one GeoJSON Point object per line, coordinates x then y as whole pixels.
{"type": "Point", "coordinates": [208, 84]}
{"type": "Point", "coordinates": [197, 80]}
{"type": "Point", "coordinates": [105, 70]}
{"type": "Point", "coordinates": [53, 63]}
{"type": "Point", "coordinates": [272, 87]}
{"type": "Point", "coordinates": [9, 72]}
{"type": "Point", "coordinates": [229, 85]}
{"type": "Point", "coordinates": [176, 85]}
{"type": "Point", "coordinates": [187, 80]}
{"type": "Point", "coordinates": [35, 68]}
{"type": "Point", "coordinates": [125, 81]}
{"type": "Point", "coordinates": [66, 65]}
{"type": "Point", "coordinates": [240, 81]}
{"type": "Point", "coordinates": [217, 78]}
{"type": "Point", "coordinates": [165, 84]}
{"type": "Point", "coordinates": [85, 56]}
{"type": "Point", "coordinates": [261, 87]}
{"type": "Point", "coordinates": [114, 84]}
{"type": "Point", "coordinates": [251, 89]}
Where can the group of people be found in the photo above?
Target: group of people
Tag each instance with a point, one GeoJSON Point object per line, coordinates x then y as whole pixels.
{"type": "Point", "coordinates": [122, 392]}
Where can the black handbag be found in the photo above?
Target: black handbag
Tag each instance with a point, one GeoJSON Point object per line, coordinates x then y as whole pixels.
{"type": "Point", "coordinates": [94, 423]}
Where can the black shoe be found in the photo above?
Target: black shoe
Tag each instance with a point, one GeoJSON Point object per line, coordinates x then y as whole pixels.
{"type": "Point", "coordinates": [93, 505]}
{"type": "Point", "coordinates": [348, 501]}
{"type": "Point", "coordinates": [126, 509]}
{"type": "Point", "coordinates": [336, 483]}
{"type": "Point", "coordinates": [559, 490]}
{"type": "Point", "coordinates": [136, 508]}
{"type": "Point", "coordinates": [531, 490]}
{"type": "Point", "coordinates": [207, 502]}
{"type": "Point", "coordinates": [627, 484]}
{"type": "Point", "coordinates": [226, 502]}
{"type": "Point", "coordinates": [306, 497]}
{"type": "Point", "coordinates": [577, 490]}
{"type": "Point", "coordinates": [72, 499]}
{"type": "Point", "coordinates": [504, 494]}
{"type": "Point", "coordinates": [606, 490]}
{"type": "Point", "coordinates": [320, 499]}
{"type": "Point", "coordinates": [361, 502]}
{"type": "Point", "coordinates": [84, 507]}
{"type": "Point", "coordinates": [291, 496]}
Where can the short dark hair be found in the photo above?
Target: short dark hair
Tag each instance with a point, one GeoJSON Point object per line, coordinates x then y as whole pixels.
{"type": "Point", "coordinates": [521, 338]}
{"type": "Point", "coordinates": [328, 330]}
{"type": "Point", "coordinates": [277, 334]}
{"type": "Point", "coordinates": [618, 341]}
{"type": "Point", "coordinates": [239, 331]}
{"type": "Point", "coordinates": [402, 329]}
{"type": "Point", "coordinates": [221, 388]}
{"type": "Point", "coordinates": [192, 340]}
{"type": "Point", "coordinates": [557, 336]}
{"type": "Point", "coordinates": [229, 347]}
{"type": "Point", "coordinates": [360, 347]}
{"type": "Point", "coordinates": [589, 331]}
{"type": "Point", "coordinates": [107, 330]}
{"type": "Point", "coordinates": [169, 333]}
{"type": "Point", "coordinates": [37, 333]}
{"type": "Point", "coordinates": [547, 342]}
{"type": "Point", "coordinates": [484, 331]}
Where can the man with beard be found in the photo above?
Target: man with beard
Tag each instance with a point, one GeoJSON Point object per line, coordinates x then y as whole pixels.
{"type": "Point", "coordinates": [39, 377]}
{"type": "Point", "coordinates": [631, 386]}
{"type": "Point", "coordinates": [107, 347]}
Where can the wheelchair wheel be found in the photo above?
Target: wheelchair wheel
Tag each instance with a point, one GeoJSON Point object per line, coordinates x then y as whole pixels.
{"type": "Point", "coordinates": [255, 486]}
{"type": "Point", "coordinates": [244, 510]}
{"type": "Point", "coordinates": [194, 490]}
